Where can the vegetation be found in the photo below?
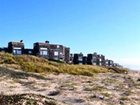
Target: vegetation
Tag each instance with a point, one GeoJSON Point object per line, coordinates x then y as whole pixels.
{"type": "Point", "coordinates": [31, 63]}
{"type": "Point", "coordinates": [94, 88]}
{"type": "Point", "coordinates": [26, 99]}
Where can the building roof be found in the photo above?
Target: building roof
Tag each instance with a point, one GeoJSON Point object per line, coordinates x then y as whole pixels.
{"type": "Point", "coordinates": [17, 44]}
{"type": "Point", "coordinates": [41, 44]}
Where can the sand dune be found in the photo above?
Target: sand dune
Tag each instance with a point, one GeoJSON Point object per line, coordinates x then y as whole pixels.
{"type": "Point", "coordinates": [100, 89]}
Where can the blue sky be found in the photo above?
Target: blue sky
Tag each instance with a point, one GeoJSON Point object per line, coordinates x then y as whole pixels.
{"type": "Point", "coordinates": [109, 27]}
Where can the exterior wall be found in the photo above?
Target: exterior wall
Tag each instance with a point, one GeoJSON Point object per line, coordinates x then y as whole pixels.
{"type": "Point", "coordinates": [75, 59]}
{"type": "Point", "coordinates": [101, 60]}
{"type": "Point", "coordinates": [4, 49]}
{"type": "Point", "coordinates": [41, 49]}
{"type": "Point", "coordinates": [16, 48]}
{"type": "Point", "coordinates": [109, 63]}
{"type": "Point", "coordinates": [57, 52]}
{"type": "Point", "coordinates": [0, 49]}
{"type": "Point", "coordinates": [67, 55]}
{"type": "Point", "coordinates": [78, 58]}
{"type": "Point", "coordinates": [95, 59]}
{"type": "Point", "coordinates": [106, 62]}
{"type": "Point", "coordinates": [116, 65]}
{"type": "Point", "coordinates": [92, 59]}
{"type": "Point", "coordinates": [89, 59]}
{"type": "Point", "coordinates": [28, 51]}
{"type": "Point", "coordinates": [84, 60]}
{"type": "Point", "coordinates": [71, 58]}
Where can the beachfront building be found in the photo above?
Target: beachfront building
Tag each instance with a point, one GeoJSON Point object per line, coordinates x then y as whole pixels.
{"type": "Point", "coordinates": [92, 59]}
{"type": "Point", "coordinates": [101, 59]}
{"type": "Point", "coordinates": [109, 63]}
{"type": "Point", "coordinates": [78, 58]}
{"type": "Point", "coordinates": [16, 48]}
{"type": "Point", "coordinates": [59, 52]}
{"type": "Point", "coordinates": [41, 49]}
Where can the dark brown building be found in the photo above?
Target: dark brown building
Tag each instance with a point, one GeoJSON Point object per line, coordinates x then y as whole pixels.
{"type": "Point", "coordinates": [71, 58]}
{"type": "Point", "coordinates": [78, 58]}
{"type": "Point", "coordinates": [52, 51]}
{"type": "Point", "coordinates": [84, 60]}
{"type": "Point", "coordinates": [28, 51]}
{"type": "Point", "coordinates": [101, 59]}
{"type": "Point", "coordinates": [67, 55]}
{"type": "Point", "coordinates": [109, 63]}
{"type": "Point", "coordinates": [16, 48]}
{"type": "Point", "coordinates": [5, 49]}
{"type": "Point", "coordinates": [41, 49]}
{"type": "Point", "coordinates": [92, 59]}
{"type": "Point", "coordinates": [96, 59]}
{"type": "Point", "coordinates": [58, 52]}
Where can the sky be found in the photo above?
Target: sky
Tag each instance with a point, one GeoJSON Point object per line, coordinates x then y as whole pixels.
{"type": "Point", "coordinates": [109, 27]}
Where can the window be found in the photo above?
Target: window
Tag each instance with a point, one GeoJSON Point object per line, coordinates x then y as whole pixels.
{"type": "Point", "coordinates": [58, 46]}
{"type": "Point", "coordinates": [111, 62]}
{"type": "Point", "coordinates": [30, 52]}
{"type": "Point", "coordinates": [56, 53]}
{"type": "Point", "coordinates": [80, 59]}
{"type": "Point", "coordinates": [43, 51]}
{"type": "Point", "coordinates": [94, 58]}
{"type": "Point", "coordinates": [61, 55]}
{"type": "Point", "coordinates": [107, 62]}
{"type": "Point", "coordinates": [17, 51]}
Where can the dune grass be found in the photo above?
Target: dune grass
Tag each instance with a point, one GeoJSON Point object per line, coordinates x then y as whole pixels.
{"type": "Point", "coordinates": [31, 63]}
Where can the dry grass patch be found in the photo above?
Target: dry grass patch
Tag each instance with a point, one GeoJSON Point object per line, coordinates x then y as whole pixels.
{"type": "Point", "coordinates": [94, 88]}
{"type": "Point", "coordinates": [26, 99]}
{"type": "Point", "coordinates": [31, 63]}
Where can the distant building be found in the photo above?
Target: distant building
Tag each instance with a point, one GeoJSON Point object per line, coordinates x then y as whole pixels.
{"type": "Point", "coordinates": [96, 59]}
{"type": "Point", "coordinates": [116, 65]}
{"type": "Point", "coordinates": [92, 59]}
{"type": "Point", "coordinates": [109, 63]}
{"type": "Point", "coordinates": [101, 59]}
{"type": "Point", "coordinates": [5, 49]}
{"type": "Point", "coordinates": [84, 59]}
{"type": "Point", "coordinates": [28, 51]}
{"type": "Point", "coordinates": [67, 55]}
{"type": "Point", "coordinates": [71, 58]}
{"type": "Point", "coordinates": [52, 51]}
{"type": "Point", "coordinates": [16, 48]}
{"type": "Point", "coordinates": [78, 58]}
{"type": "Point", "coordinates": [41, 49]}
{"type": "Point", "coordinates": [59, 53]}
